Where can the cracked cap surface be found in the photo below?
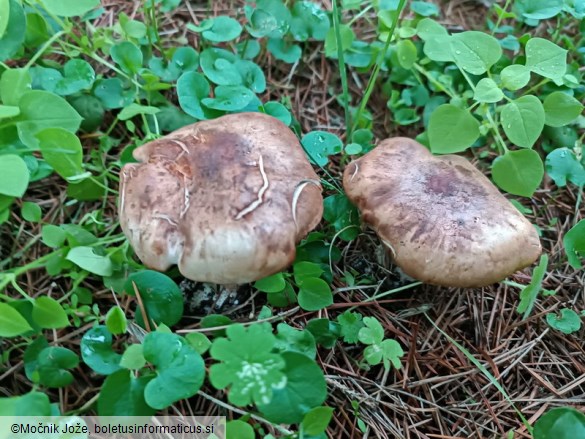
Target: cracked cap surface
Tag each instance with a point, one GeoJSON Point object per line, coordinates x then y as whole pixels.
{"type": "Point", "coordinates": [443, 220]}
{"type": "Point", "coordinates": [226, 199]}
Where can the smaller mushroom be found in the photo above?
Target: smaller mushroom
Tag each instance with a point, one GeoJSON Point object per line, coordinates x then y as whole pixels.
{"type": "Point", "coordinates": [226, 199]}
{"type": "Point", "coordinates": [444, 222]}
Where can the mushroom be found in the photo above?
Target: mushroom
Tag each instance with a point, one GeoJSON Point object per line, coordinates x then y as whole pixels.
{"type": "Point", "coordinates": [443, 220]}
{"type": "Point", "coordinates": [226, 199]}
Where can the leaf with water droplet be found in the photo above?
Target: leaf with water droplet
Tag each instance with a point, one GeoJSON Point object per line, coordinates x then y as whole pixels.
{"type": "Point", "coordinates": [319, 145]}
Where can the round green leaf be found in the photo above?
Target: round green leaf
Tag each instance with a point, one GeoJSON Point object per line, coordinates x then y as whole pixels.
{"type": "Point", "coordinates": [15, 175]}
{"type": "Point", "coordinates": [560, 423]}
{"type": "Point", "coordinates": [219, 67]}
{"type": "Point", "coordinates": [319, 145]}
{"type": "Point", "coordinates": [52, 364]}
{"type": "Point", "coordinates": [11, 322]}
{"type": "Point", "coordinates": [180, 369]}
{"type": "Point", "coordinates": [97, 353]}
{"type": "Point", "coordinates": [305, 389]}
{"type": "Point", "coordinates": [314, 294]}
{"type": "Point", "coordinates": [53, 236]}
{"type": "Point", "coordinates": [13, 36]}
{"type": "Point", "coordinates": [198, 341]}
{"type": "Point", "coordinates": [309, 21]}
{"type": "Point", "coordinates": [30, 404]}
{"type": "Point", "coordinates": [162, 298]}
{"type": "Point", "coordinates": [229, 98]}
{"type": "Point", "coordinates": [562, 165]}
{"type": "Point", "coordinates": [475, 52]}
{"type": "Point", "coordinates": [116, 320]}
{"type": "Point", "coordinates": [546, 58]}
{"type": "Point", "coordinates": [426, 9]}
{"type": "Point", "coordinates": [185, 59]}
{"type": "Point", "coordinates": [284, 50]}
{"type": "Point", "coordinates": [316, 420]}
{"type": "Point", "coordinates": [4, 16]}
{"type": "Point", "coordinates": [221, 29]}
{"type": "Point", "coordinates": [113, 93]}
{"type": "Point", "coordinates": [488, 91]}
{"type": "Point", "coordinates": [192, 87]}
{"type": "Point", "coordinates": [515, 77]}
{"type": "Point", "coordinates": [6, 111]}
{"type": "Point", "coordinates": [239, 429]}
{"type": "Point", "coordinates": [325, 331]}
{"type": "Point", "coordinates": [407, 53]}
{"type": "Point", "coordinates": [271, 284]}
{"type": "Point", "coordinates": [568, 322]}
{"type": "Point", "coordinates": [62, 150]}
{"type": "Point", "coordinates": [523, 120]}
{"type": "Point", "coordinates": [127, 56]}
{"type": "Point", "coordinates": [133, 357]}
{"type": "Point", "coordinates": [122, 394]}
{"type": "Point", "coordinates": [452, 129]}
{"type": "Point", "coordinates": [70, 8]}
{"type": "Point", "coordinates": [540, 9]}
{"type": "Point", "coordinates": [518, 172]}
{"type": "Point", "coordinates": [574, 243]}
{"type": "Point", "coordinates": [31, 212]}
{"type": "Point", "coordinates": [269, 19]}
{"type": "Point", "coordinates": [48, 313]}
{"type": "Point", "coordinates": [77, 75]}
{"type": "Point", "coordinates": [279, 111]}
{"type": "Point", "coordinates": [84, 257]}
{"type": "Point", "coordinates": [289, 339]}
{"type": "Point", "coordinates": [561, 109]}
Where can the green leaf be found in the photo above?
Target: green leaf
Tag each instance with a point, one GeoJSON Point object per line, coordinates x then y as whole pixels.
{"type": "Point", "coordinates": [51, 366]}
{"type": "Point", "coordinates": [426, 9]}
{"type": "Point", "coordinates": [452, 129]}
{"type": "Point", "coordinates": [316, 420]}
{"type": "Point", "coordinates": [561, 109]}
{"type": "Point", "coordinates": [221, 29]}
{"type": "Point", "coordinates": [284, 50]}
{"type": "Point", "coordinates": [539, 9]}
{"type": "Point", "coordinates": [97, 353]}
{"type": "Point", "coordinates": [529, 294]}
{"type": "Point", "coordinates": [270, 18]}
{"type": "Point", "coordinates": [325, 331]}
{"type": "Point", "coordinates": [191, 89]}
{"type": "Point", "coordinates": [41, 109]}
{"type": "Point", "coordinates": [198, 341]}
{"type": "Point", "coordinates": [219, 67]}
{"type": "Point", "coordinates": [70, 8]}
{"type": "Point", "coordinates": [388, 351]}
{"type": "Point", "coordinates": [127, 56]}
{"type": "Point", "coordinates": [306, 269]}
{"type": "Point", "coordinates": [372, 333]}
{"type": "Point", "coordinates": [305, 389]}
{"type": "Point", "coordinates": [515, 77]}
{"type": "Point", "coordinates": [574, 243]}
{"type": "Point", "coordinates": [248, 365]}
{"type": "Point", "coordinates": [560, 423]}
{"type": "Point", "coordinates": [309, 21]}
{"type": "Point", "coordinates": [319, 145]}
{"type": "Point", "coordinates": [6, 112]}
{"type": "Point", "coordinates": [11, 322]}
{"type": "Point", "coordinates": [428, 29]}
{"type": "Point", "coordinates": [116, 320]}
{"type": "Point", "coordinates": [15, 175]}
{"type": "Point", "coordinates": [13, 37]}
{"type": "Point", "coordinates": [271, 284]}
{"type": "Point", "coordinates": [62, 150]}
{"type": "Point", "coordinates": [84, 257]}
{"type": "Point", "coordinates": [347, 38]}
{"type": "Point", "coordinates": [77, 75]}
{"type": "Point", "coordinates": [48, 313]}
{"type": "Point", "coordinates": [546, 58]}
{"type": "Point", "coordinates": [185, 59]}
{"type": "Point", "coordinates": [568, 322]}
{"type": "Point", "coordinates": [407, 53]}
{"type": "Point", "coordinates": [229, 98]}
{"type": "Point", "coordinates": [239, 429]}
{"type": "Point", "coordinates": [562, 165]}
{"type": "Point", "coordinates": [13, 84]}
{"type": "Point", "coordinates": [518, 172]}
{"type": "Point", "coordinates": [31, 212]}
{"type": "Point", "coordinates": [122, 394]}
{"type": "Point", "coordinates": [113, 93]}
{"type": "Point", "coordinates": [289, 339]}
{"type": "Point", "coordinates": [351, 323]}
{"type": "Point", "coordinates": [342, 214]}
{"type": "Point", "coordinates": [314, 294]}
{"type": "Point", "coordinates": [53, 236]}
{"type": "Point", "coordinates": [162, 298]}
{"type": "Point", "coordinates": [279, 111]}
{"type": "Point", "coordinates": [134, 109]}
{"type": "Point", "coordinates": [488, 91]}
{"type": "Point", "coordinates": [30, 404]}
{"type": "Point", "coordinates": [133, 357]}
{"type": "Point", "coordinates": [180, 369]}
{"type": "Point", "coordinates": [4, 16]}
{"type": "Point", "coordinates": [475, 52]}
{"type": "Point", "coordinates": [523, 120]}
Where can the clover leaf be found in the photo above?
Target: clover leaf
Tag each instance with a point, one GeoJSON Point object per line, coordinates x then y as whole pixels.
{"type": "Point", "coordinates": [248, 365]}
{"type": "Point", "coordinates": [380, 350]}
{"type": "Point", "coordinates": [568, 322]}
{"type": "Point", "coordinates": [351, 323]}
{"type": "Point", "coordinates": [97, 353]}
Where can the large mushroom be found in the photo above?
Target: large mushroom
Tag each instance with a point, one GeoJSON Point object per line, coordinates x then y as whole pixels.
{"type": "Point", "coordinates": [226, 199]}
{"type": "Point", "coordinates": [444, 222]}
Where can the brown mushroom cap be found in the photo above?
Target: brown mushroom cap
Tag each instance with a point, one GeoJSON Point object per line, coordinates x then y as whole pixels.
{"type": "Point", "coordinates": [226, 199]}
{"type": "Point", "coordinates": [444, 221]}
